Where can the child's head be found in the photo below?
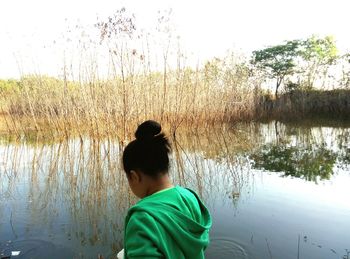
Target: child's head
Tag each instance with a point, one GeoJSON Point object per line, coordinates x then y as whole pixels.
{"type": "Point", "coordinates": [146, 156]}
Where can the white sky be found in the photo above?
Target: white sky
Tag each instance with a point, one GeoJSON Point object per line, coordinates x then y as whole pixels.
{"type": "Point", "coordinates": [207, 28]}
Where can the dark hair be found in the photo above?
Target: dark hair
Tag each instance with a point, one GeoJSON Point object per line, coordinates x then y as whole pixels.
{"type": "Point", "coordinates": [149, 151]}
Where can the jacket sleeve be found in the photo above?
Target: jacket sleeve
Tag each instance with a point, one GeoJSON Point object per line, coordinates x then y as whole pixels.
{"type": "Point", "coordinates": [142, 237]}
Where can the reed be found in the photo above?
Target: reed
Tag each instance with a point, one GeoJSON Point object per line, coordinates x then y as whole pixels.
{"type": "Point", "coordinates": [306, 104]}
{"type": "Point", "coordinates": [120, 76]}
{"type": "Point", "coordinates": [113, 107]}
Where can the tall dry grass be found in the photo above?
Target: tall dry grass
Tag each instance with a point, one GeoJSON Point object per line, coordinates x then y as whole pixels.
{"type": "Point", "coordinates": [123, 76]}
{"type": "Point", "coordinates": [218, 92]}
{"type": "Point", "coordinates": [332, 105]}
{"type": "Point", "coordinates": [147, 78]}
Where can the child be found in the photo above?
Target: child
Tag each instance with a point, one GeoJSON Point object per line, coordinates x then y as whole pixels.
{"type": "Point", "coordinates": [169, 221]}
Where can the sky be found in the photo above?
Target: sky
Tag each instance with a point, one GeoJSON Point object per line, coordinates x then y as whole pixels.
{"type": "Point", "coordinates": [30, 29]}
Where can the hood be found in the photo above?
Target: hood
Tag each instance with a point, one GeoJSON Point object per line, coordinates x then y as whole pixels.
{"type": "Point", "coordinates": [188, 226]}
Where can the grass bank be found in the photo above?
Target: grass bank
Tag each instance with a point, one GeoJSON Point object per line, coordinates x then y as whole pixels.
{"type": "Point", "coordinates": [183, 98]}
{"type": "Point", "coordinates": [317, 105]}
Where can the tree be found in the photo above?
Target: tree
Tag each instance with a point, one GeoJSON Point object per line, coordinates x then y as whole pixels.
{"type": "Point", "coordinates": [319, 54]}
{"type": "Point", "coordinates": [344, 63]}
{"type": "Point", "coordinates": [277, 61]}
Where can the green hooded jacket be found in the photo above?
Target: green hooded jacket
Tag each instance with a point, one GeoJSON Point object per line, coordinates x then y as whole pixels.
{"type": "Point", "coordinates": [172, 223]}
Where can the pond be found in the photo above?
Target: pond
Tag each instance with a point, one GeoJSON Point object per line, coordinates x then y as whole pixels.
{"type": "Point", "coordinates": [274, 191]}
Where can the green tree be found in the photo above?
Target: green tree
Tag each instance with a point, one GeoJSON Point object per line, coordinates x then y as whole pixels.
{"type": "Point", "coordinates": [278, 61]}
{"type": "Point", "coordinates": [319, 54]}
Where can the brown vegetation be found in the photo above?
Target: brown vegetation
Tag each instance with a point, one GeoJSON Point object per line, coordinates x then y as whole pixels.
{"type": "Point", "coordinates": [115, 106]}
{"type": "Point", "coordinates": [317, 104]}
{"type": "Point", "coordinates": [190, 99]}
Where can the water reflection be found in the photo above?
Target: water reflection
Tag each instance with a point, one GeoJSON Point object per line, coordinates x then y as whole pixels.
{"type": "Point", "coordinates": [308, 153]}
{"type": "Point", "coordinates": [74, 194]}
{"type": "Point", "coordinates": [213, 162]}
{"type": "Point", "coordinates": [309, 164]}
{"type": "Point", "coordinates": [72, 190]}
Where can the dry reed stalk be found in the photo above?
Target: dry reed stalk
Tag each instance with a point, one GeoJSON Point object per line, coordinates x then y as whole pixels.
{"type": "Point", "coordinates": [114, 106]}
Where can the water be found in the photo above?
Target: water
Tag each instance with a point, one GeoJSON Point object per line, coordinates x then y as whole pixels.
{"type": "Point", "coordinates": [274, 191]}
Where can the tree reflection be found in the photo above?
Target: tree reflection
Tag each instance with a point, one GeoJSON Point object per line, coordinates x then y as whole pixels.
{"type": "Point", "coordinates": [312, 164]}
{"type": "Point", "coordinates": [344, 147]}
{"type": "Point", "coordinates": [75, 189]}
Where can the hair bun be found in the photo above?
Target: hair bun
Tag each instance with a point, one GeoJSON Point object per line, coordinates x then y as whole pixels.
{"type": "Point", "coordinates": [147, 130]}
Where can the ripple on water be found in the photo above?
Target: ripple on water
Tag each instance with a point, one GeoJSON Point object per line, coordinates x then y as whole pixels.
{"type": "Point", "coordinates": [225, 248]}
{"type": "Point", "coordinates": [34, 248]}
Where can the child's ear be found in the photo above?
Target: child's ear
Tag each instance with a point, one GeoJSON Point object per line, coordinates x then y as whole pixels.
{"type": "Point", "coordinates": [135, 176]}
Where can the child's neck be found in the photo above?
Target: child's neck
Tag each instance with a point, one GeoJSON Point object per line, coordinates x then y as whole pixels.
{"type": "Point", "coordinates": [161, 183]}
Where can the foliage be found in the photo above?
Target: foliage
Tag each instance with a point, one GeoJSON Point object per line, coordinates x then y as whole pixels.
{"type": "Point", "coordinates": [6, 85]}
{"type": "Point", "coordinates": [318, 54]}
{"type": "Point", "coordinates": [212, 70]}
{"type": "Point", "coordinates": [322, 51]}
{"type": "Point", "coordinates": [309, 59]}
{"type": "Point", "coordinates": [291, 86]}
{"type": "Point", "coordinates": [231, 76]}
{"type": "Point", "coordinates": [309, 164]}
{"type": "Point", "coordinates": [312, 103]}
{"type": "Point", "coordinates": [230, 72]}
{"type": "Point", "coordinates": [98, 107]}
{"type": "Point", "coordinates": [277, 61]}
